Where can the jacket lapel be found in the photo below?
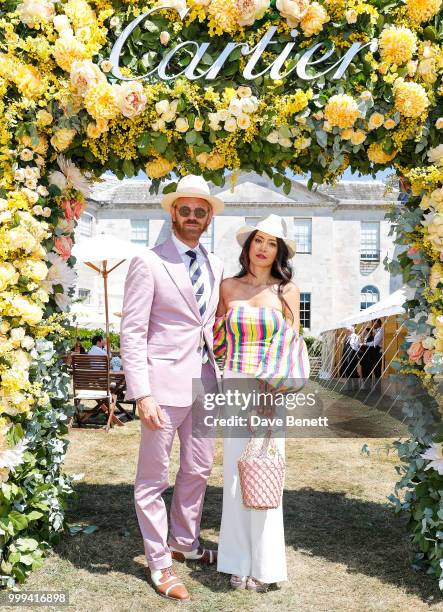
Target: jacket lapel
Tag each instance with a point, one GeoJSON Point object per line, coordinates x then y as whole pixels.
{"type": "Point", "coordinates": [215, 271]}
{"type": "Point", "coordinates": [179, 274]}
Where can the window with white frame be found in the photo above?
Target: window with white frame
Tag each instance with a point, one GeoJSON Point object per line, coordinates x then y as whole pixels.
{"type": "Point", "coordinates": [140, 231]}
{"type": "Point", "coordinates": [85, 225]}
{"type": "Point", "coordinates": [305, 310]}
{"type": "Point", "coordinates": [303, 235]}
{"type": "Point", "coordinates": [85, 295]}
{"type": "Point", "coordinates": [207, 238]}
{"type": "Point", "coordinates": [369, 296]}
{"type": "Point", "coordinates": [370, 241]}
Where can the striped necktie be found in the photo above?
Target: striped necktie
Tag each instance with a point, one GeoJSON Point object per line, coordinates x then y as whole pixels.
{"type": "Point", "coordinates": [198, 285]}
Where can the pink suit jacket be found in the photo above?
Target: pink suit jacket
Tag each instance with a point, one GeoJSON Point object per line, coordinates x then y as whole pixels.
{"type": "Point", "coordinates": [161, 326]}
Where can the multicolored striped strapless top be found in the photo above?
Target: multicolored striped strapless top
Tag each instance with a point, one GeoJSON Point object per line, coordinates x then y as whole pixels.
{"type": "Point", "coordinates": [257, 340]}
{"type": "Point", "coordinates": [243, 335]}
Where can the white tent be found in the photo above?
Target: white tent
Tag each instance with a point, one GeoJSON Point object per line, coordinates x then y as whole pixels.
{"type": "Point", "coordinates": [391, 305]}
{"type": "Point", "coordinates": [90, 317]}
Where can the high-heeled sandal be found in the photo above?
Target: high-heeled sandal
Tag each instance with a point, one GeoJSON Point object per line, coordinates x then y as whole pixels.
{"type": "Point", "coordinates": [253, 584]}
{"type": "Point", "coordinates": [238, 582]}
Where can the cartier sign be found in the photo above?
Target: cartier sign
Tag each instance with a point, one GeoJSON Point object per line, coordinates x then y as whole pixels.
{"type": "Point", "coordinates": [306, 60]}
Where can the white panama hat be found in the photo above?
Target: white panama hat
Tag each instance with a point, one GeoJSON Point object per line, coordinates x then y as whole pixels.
{"type": "Point", "coordinates": [193, 186]}
{"type": "Point", "coordinates": [272, 225]}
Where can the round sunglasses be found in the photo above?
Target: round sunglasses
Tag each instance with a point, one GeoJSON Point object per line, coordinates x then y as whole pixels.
{"type": "Point", "coordinates": [199, 213]}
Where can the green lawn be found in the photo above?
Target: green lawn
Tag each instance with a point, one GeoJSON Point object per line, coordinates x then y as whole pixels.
{"type": "Point", "coordinates": [346, 549]}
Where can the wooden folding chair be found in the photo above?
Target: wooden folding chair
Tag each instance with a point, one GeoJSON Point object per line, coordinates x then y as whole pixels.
{"type": "Point", "coordinates": [91, 382]}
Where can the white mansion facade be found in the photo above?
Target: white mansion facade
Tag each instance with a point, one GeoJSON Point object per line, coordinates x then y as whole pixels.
{"type": "Point", "coordinates": [341, 235]}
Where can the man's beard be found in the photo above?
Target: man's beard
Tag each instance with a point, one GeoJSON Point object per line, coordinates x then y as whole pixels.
{"type": "Point", "coordinates": [189, 230]}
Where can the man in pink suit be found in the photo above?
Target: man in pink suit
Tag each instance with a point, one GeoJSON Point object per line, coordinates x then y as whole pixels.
{"type": "Point", "coordinates": [170, 298]}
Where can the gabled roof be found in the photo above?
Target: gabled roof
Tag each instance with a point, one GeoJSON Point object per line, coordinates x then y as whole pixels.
{"type": "Point", "coordinates": [250, 188]}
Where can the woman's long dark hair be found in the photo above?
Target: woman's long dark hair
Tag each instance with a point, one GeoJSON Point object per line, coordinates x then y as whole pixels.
{"type": "Point", "coordinates": [281, 268]}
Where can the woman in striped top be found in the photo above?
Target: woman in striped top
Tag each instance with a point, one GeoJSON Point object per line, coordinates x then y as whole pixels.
{"type": "Point", "coordinates": [256, 327]}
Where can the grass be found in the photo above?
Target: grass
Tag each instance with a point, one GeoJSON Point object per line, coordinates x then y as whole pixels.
{"type": "Point", "coordinates": [346, 549]}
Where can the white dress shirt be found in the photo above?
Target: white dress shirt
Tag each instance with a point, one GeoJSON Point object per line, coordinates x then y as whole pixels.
{"type": "Point", "coordinates": [354, 341]}
{"type": "Point", "coordinates": [378, 338]}
{"type": "Point", "coordinates": [208, 278]}
{"type": "Point", "coordinates": [96, 350]}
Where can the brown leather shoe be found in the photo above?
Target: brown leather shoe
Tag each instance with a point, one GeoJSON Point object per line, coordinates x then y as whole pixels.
{"type": "Point", "coordinates": [171, 587]}
{"type": "Point", "coordinates": [207, 557]}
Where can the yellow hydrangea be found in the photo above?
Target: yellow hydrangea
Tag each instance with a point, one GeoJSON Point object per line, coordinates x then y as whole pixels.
{"type": "Point", "coordinates": [158, 167]}
{"type": "Point", "coordinates": [100, 101]}
{"type": "Point", "coordinates": [422, 10]}
{"type": "Point", "coordinates": [23, 307]}
{"type": "Point", "coordinates": [341, 110]}
{"type": "Point", "coordinates": [397, 45]}
{"type": "Point", "coordinates": [411, 99]}
{"type": "Point", "coordinates": [377, 155]}
{"type": "Point", "coordinates": [8, 275]}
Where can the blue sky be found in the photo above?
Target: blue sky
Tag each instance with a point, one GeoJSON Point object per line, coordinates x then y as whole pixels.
{"type": "Point", "coordinates": [347, 176]}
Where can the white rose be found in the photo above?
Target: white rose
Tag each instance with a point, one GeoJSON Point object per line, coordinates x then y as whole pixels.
{"type": "Point", "coordinates": [84, 74]}
{"type": "Point", "coordinates": [26, 155]}
{"type": "Point", "coordinates": [37, 209]}
{"type": "Point", "coordinates": [32, 11]}
{"type": "Point", "coordinates": [243, 121]}
{"type": "Point", "coordinates": [435, 155]}
{"type": "Point", "coordinates": [176, 4]}
{"type": "Point", "coordinates": [182, 125]}
{"type": "Point", "coordinates": [30, 194]}
{"type": "Point", "coordinates": [230, 124]}
{"type": "Point", "coordinates": [47, 211]}
{"type": "Point", "coordinates": [164, 37]}
{"type": "Point", "coordinates": [293, 10]}
{"type": "Point", "coordinates": [157, 125]}
{"type": "Point", "coordinates": [41, 190]}
{"type": "Point", "coordinates": [351, 16]}
{"type": "Point", "coordinates": [162, 107]}
{"type": "Point", "coordinates": [130, 98]}
{"type": "Point", "coordinates": [58, 179]}
{"type": "Point", "coordinates": [114, 21]}
{"type": "Point", "coordinates": [285, 142]}
{"type": "Point", "coordinates": [236, 106]}
{"type": "Point", "coordinates": [244, 92]}
{"type": "Point", "coordinates": [273, 137]}
{"type": "Point", "coordinates": [19, 175]}
{"type": "Point", "coordinates": [27, 343]}
{"type": "Point", "coordinates": [248, 105]}
{"type": "Point", "coordinates": [31, 183]}
{"type": "Point", "coordinates": [32, 172]}
{"type": "Point", "coordinates": [222, 114]}
{"type": "Point", "coordinates": [61, 22]}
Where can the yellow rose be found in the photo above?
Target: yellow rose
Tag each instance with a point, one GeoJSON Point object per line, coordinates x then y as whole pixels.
{"type": "Point", "coordinates": [436, 276]}
{"type": "Point", "coordinates": [130, 98]}
{"type": "Point", "coordinates": [427, 70]}
{"type": "Point", "coordinates": [92, 130]}
{"type": "Point", "coordinates": [198, 124]}
{"type": "Point", "coordinates": [28, 81]}
{"type": "Point", "coordinates": [215, 161]}
{"type": "Point", "coordinates": [377, 155]}
{"type": "Point", "coordinates": [84, 73]}
{"type": "Point", "coordinates": [34, 269]}
{"type": "Point", "coordinates": [20, 238]}
{"type": "Point", "coordinates": [62, 138]}
{"type": "Point", "coordinates": [8, 275]}
{"type": "Point", "coordinates": [375, 121]}
{"type": "Point", "coordinates": [389, 124]}
{"type": "Point", "coordinates": [41, 147]}
{"type": "Point", "coordinates": [314, 19]}
{"type": "Point", "coordinates": [358, 137]}
{"type": "Point", "coordinates": [243, 121]}
{"type": "Point", "coordinates": [346, 133]}
{"type": "Point", "coordinates": [158, 167]}
{"type": "Point", "coordinates": [29, 312]}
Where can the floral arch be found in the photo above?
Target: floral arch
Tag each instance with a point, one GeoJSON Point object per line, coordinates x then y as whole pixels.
{"type": "Point", "coordinates": [202, 86]}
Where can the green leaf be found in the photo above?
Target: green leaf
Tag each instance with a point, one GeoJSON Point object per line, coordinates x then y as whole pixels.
{"type": "Point", "coordinates": [18, 519]}
{"type": "Point", "coordinates": [150, 26]}
{"type": "Point", "coordinates": [161, 143]}
{"type": "Point", "coordinates": [128, 168]}
{"type": "Point", "coordinates": [26, 544]}
{"type": "Point", "coordinates": [170, 187]}
{"type": "Point", "coordinates": [191, 137]}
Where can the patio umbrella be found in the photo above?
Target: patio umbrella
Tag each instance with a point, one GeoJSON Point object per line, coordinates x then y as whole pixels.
{"type": "Point", "coordinates": [97, 252]}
